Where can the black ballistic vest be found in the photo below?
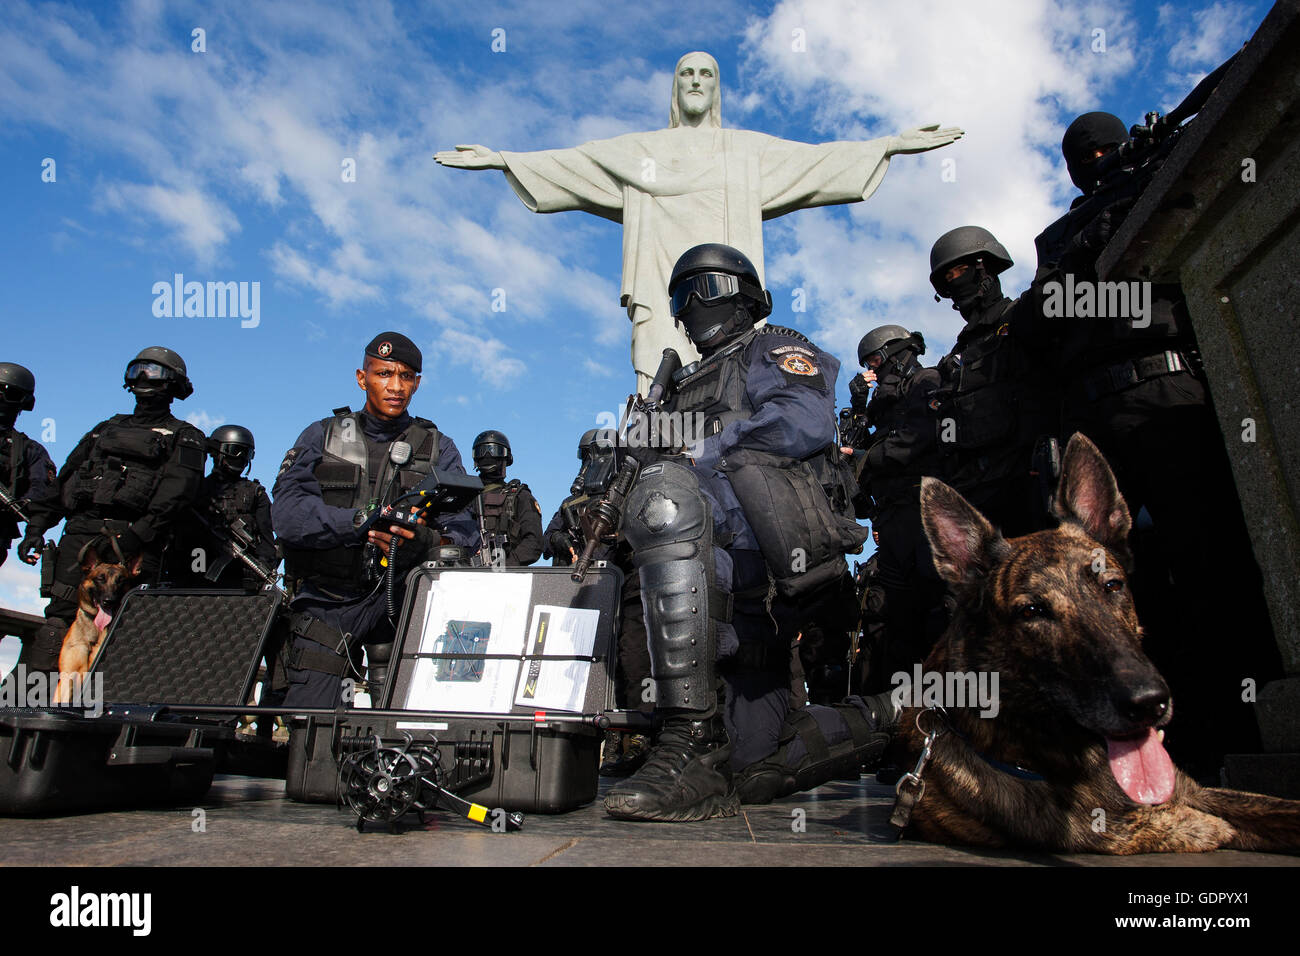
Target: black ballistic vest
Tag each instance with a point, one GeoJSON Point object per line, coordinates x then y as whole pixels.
{"type": "Point", "coordinates": [120, 475]}
{"type": "Point", "coordinates": [355, 472]}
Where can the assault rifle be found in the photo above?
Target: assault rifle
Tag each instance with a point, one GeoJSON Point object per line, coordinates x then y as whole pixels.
{"type": "Point", "coordinates": [238, 542]}
{"type": "Point", "coordinates": [13, 506]}
{"type": "Point", "coordinates": [1122, 175]}
{"type": "Point", "coordinates": [606, 515]}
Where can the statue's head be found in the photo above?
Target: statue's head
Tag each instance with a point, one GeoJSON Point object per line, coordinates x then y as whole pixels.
{"type": "Point", "coordinates": [696, 90]}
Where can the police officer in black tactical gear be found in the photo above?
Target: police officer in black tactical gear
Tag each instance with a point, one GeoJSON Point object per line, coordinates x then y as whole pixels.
{"type": "Point", "coordinates": [600, 452]}
{"type": "Point", "coordinates": [26, 471]}
{"type": "Point", "coordinates": [1134, 385]}
{"type": "Point", "coordinates": [509, 517]}
{"type": "Point", "coordinates": [729, 529]}
{"type": "Point", "coordinates": [229, 508]}
{"type": "Point", "coordinates": [121, 491]}
{"type": "Point", "coordinates": [998, 404]}
{"type": "Point", "coordinates": [339, 470]}
{"type": "Point", "coordinates": [902, 450]}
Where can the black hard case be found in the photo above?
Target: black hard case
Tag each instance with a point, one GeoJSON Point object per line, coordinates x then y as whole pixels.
{"type": "Point", "coordinates": [164, 646]}
{"type": "Point", "coordinates": [524, 761]}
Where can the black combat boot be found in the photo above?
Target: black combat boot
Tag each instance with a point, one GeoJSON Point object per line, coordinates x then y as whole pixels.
{"type": "Point", "coordinates": [611, 758]}
{"type": "Point", "coordinates": [636, 748]}
{"type": "Point", "coordinates": [685, 777]}
{"type": "Point", "coordinates": [819, 744]}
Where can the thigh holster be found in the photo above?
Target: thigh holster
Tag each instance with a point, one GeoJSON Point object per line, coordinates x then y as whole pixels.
{"type": "Point", "coordinates": [669, 525]}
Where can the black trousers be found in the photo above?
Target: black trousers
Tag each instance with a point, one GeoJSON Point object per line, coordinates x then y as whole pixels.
{"type": "Point", "coordinates": [915, 616]}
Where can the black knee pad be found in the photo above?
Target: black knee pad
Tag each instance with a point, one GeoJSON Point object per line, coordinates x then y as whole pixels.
{"type": "Point", "coordinates": [669, 525]}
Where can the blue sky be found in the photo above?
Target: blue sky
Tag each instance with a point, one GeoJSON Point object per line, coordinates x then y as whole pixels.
{"type": "Point", "coordinates": [226, 165]}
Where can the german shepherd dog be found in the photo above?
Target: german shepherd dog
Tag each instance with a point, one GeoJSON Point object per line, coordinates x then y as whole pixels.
{"type": "Point", "coordinates": [1073, 760]}
{"type": "Point", "coordinates": [98, 598]}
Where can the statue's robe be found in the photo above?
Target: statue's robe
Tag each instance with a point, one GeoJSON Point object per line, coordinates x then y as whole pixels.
{"type": "Point", "coordinates": [676, 188]}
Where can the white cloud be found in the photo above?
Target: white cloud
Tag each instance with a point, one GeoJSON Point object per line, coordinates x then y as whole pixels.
{"type": "Point", "coordinates": [20, 587]}
{"type": "Point", "coordinates": [1208, 37]}
{"type": "Point", "coordinates": [1009, 73]}
{"type": "Point", "coordinates": [201, 222]}
{"type": "Point", "coordinates": [204, 422]}
{"type": "Point", "coordinates": [486, 356]}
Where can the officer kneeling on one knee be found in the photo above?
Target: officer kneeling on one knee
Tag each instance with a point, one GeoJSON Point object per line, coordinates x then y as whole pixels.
{"type": "Point", "coordinates": [714, 529]}
{"type": "Point", "coordinates": [337, 472]}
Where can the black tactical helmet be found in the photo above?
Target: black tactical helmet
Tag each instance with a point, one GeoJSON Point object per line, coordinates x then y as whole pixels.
{"type": "Point", "coordinates": [231, 446]}
{"type": "Point", "coordinates": [1087, 134]}
{"type": "Point", "coordinates": [158, 365]}
{"type": "Point", "coordinates": [961, 243]}
{"type": "Point", "coordinates": [491, 446]}
{"type": "Point", "coordinates": [716, 277]}
{"type": "Point", "coordinates": [598, 449]}
{"type": "Point", "coordinates": [889, 339]}
{"type": "Point", "coordinates": [17, 386]}
{"type": "Point", "coordinates": [594, 439]}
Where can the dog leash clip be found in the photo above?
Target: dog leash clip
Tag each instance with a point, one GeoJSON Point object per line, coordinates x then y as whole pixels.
{"type": "Point", "coordinates": [910, 786]}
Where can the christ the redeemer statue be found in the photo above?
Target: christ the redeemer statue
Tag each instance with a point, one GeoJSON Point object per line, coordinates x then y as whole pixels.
{"type": "Point", "coordinates": [694, 182]}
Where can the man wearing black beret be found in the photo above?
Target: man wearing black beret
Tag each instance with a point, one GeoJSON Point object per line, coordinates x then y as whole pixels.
{"type": "Point", "coordinates": [338, 470]}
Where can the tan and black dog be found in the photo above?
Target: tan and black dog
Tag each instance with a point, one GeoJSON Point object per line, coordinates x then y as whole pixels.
{"type": "Point", "coordinates": [1074, 758]}
{"type": "Point", "coordinates": [98, 597]}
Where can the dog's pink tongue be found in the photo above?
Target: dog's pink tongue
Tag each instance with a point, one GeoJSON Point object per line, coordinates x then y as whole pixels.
{"type": "Point", "coordinates": [1142, 767]}
{"type": "Point", "coordinates": [102, 619]}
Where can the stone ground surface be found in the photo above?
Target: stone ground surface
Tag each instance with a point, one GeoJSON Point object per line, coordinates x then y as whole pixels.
{"type": "Point", "coordinates": [250, 822]}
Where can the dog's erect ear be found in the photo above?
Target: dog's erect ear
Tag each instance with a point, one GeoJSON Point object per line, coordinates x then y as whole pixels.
{"type": "Point", "coordinates": [961, 539]}
{"type": "Point", "coordinates": [89, 558]}
{"type": "Point", "coordinates": [133, 567]}
{"type": "Point", "coordinates": [1088, 495]}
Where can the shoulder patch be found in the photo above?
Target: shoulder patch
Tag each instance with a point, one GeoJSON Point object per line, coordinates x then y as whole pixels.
{"type": "Point", "coordinates": [795, 360]}
{"type": "Point", "coordinates": [290, 457]}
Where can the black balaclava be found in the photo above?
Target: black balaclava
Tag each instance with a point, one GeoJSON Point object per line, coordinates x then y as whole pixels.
{"type": "Point", "coordinates": [1087, 134]}
{"type": "Point", "coordinates": [974, 291]}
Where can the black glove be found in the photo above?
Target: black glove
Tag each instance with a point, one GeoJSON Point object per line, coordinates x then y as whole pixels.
{"type": "Point", "coordinates": [1097, 233]}
{"type": "Point", "coordinates": [561, 543]}
{"type": "Point", "coordinates": [859, 390]}
{"type": "Point", "coordinates": [644, 454]}
{"type": "Point", "coordinates": [31, 545]}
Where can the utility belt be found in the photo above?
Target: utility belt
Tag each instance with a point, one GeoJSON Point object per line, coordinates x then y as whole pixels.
{"type": "Point", "coordinates": [1109, 379]}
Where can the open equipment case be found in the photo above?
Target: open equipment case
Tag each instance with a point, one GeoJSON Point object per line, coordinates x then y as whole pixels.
{"type": "Point", "coordinates": [507, 673]}
{"type": "Point", "coordinates": [166, 645]}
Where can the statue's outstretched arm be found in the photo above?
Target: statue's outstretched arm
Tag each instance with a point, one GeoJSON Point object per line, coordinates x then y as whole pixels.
{"type": "Point", "coordinates": [476, 157]}
{"type": "Point", "coordinates": [923, 138]}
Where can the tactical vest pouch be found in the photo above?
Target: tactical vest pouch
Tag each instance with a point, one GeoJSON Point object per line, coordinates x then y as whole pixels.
{"type": "Point", "coordinates": [803, 541]}
{"type": "Point", "coordinates": [986, 402]}
{"type": "Point", "coordinates": [981, 421]}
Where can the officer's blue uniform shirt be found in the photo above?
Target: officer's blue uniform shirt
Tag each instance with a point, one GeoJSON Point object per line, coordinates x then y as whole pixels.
{"type": "Point", "coordinates": [791, 387]}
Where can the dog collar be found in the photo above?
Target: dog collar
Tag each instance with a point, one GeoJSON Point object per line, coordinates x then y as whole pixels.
{"type": "Point", "coordinates": [1018, 772]}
